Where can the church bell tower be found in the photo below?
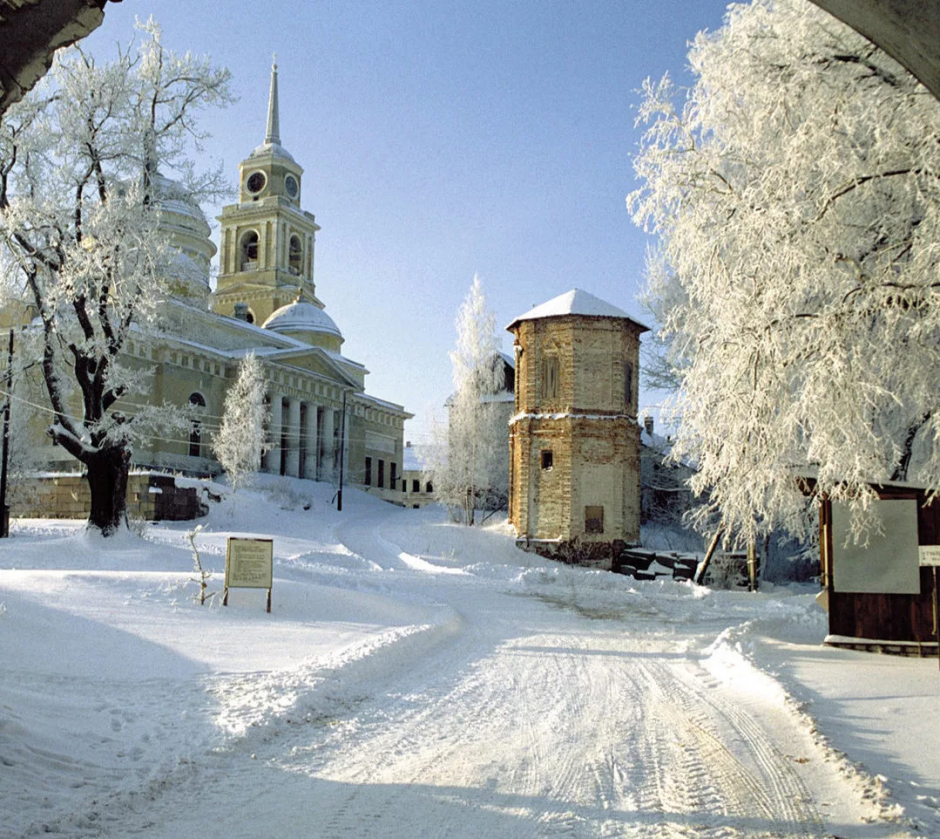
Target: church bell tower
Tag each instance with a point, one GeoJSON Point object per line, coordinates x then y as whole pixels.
{"type": "Point", "coordinates": [267, 248]}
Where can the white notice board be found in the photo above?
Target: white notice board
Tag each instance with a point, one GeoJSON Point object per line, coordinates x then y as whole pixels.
{"type": "Point", "coordinates": [889, 563]}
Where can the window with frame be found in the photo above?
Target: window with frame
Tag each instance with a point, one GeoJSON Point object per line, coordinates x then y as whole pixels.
{"type": "Point", "coordinates": [368, 478]}
{"type": "Point", "coordinates": [393, 476]}
{"type": "Point", "coordinates": [550, 374]}
{"type": "Point", "coordinates": [415, 485]}
{"type": "Point", "coordinates": [594, 519]}
{"type": "Point", "coordinates": [381, 473]}
{"type": "Point", "coordinates": [548, 460]}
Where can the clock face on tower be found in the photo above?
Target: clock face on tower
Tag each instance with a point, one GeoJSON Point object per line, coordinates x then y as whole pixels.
{"type": "Point", "coordinates": [256, 182]}
{"type": "Point", "coordinates": [290, 184]}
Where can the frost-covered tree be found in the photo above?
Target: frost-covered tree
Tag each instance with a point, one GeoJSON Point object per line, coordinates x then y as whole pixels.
{"type": "Point", "coordinates": [239, 442]}
{"type": "Point", "coordinates": [472, 466]}
{"type": "Point", "coordinates": [795, 192]}
{"type": "Point", "coordinates": [79, 212]}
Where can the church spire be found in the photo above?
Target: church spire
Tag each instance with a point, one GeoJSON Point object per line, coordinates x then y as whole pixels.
{"type": "Point", "coordinates": [273, 134]}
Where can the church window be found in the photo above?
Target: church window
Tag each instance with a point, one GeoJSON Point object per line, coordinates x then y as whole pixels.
{"type": "Point", "coordinates": [296, 256]}
{"type": "Point", "coordinates": [197, 401]}
{"type": "Point", "coordinates": [393, 475]}
{"type": "Point", "coordinates": [381, 473]}
{"type": "Point", "coordinates": [368, 478]}
{"type": "Point", "coordinates": [550, 377]}
{"type": "Point", "coordinates": [415, 485]}
{"type": "Point", "coordinates": [429, 488]}
{"type": "Point", "coordinates": [249, 249]}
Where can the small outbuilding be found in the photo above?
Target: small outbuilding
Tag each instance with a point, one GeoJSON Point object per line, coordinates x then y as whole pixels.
{"type": "Point", "coordinates": [881, 595]}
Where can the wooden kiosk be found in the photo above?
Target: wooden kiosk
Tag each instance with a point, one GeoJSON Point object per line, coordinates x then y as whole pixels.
{"type": "Point", "coordinates": [883, 596]}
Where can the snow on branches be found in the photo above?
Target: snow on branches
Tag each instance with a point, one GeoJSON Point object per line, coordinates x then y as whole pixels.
{"type": "Point", "coordinates": [795, 193]}
{"type": "Point", "coordinates": [80, 159]}
{"type": "Point", "coordinates": [472, 468]}
{"type": "Point", "coordinates": [239, 442]}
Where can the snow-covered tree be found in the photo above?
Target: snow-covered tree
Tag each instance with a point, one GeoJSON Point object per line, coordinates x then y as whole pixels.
{"type": "Point", "coordinates": [79, 212]}
{"type": "Point", "coordinates": [795, 192]}
{"type": "Point", "coordinates": [239, 442]}
{"type": "Point", "coordinates": [472, 469]}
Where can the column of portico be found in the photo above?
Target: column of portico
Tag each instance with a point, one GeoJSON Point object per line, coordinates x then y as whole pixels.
{"type": "Point", "coordinates": [326, 467]}
{"type": "Point", "coordinates": [292, 464]}
{"type": "Point", "coordinates": [310, 462]}
{"type": "Point", "coordinates": [272, 457]}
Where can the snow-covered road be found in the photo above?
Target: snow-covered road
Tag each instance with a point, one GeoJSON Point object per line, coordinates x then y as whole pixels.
{"type": "Point", "coordinates": [495, 710]}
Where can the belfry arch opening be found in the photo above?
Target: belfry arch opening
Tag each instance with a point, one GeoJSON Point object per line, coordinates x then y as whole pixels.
{"type": "Point", "coordinates": [296, 256]}
{"type": "Point", "coordinates": [249, 251]}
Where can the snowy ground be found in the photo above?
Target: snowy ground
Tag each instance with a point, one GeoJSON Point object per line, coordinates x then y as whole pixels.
{"type": "Point", "coordinates": [419, 679]}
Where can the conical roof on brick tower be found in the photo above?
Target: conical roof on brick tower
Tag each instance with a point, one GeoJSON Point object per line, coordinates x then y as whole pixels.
{"type": "Point", "coordinates": [576, 302]}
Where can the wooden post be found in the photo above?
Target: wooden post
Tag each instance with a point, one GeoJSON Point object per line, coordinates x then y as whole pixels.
{"type": "Point", "coordinates": [751, 564]}
{"type": "Point", "coordinates": [936, 612]}
{"type": "Point", "coordinates": [703, 566]}
{"type": "Point", "coordinates": [4, 517]}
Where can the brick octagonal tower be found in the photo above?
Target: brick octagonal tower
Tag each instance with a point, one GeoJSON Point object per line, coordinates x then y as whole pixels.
{"type": "Point", "coordinates": [574, 487]}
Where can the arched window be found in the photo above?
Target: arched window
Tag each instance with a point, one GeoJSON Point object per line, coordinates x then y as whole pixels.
{"type": "Point", "coordinates": [429, 488]}
{"type": "Point", "coordinates": [296, 263]}
{"type": "Point", "coordinates": [197, 401]}
{"type": "Point", "coordinates": [249, 251]}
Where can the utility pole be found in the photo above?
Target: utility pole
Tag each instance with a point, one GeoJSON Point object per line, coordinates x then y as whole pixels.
{"type": "Point", "coordinates": [5, 456]}
{"type": "Point", "coordinates": [342, 455]}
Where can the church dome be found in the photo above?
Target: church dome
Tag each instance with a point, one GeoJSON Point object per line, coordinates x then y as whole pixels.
{"type": "Point", "coordinates": [182, 220]}
{"type": "Point", "coordinates": [273, 150]}
{"type": "Point", "coordinates": [307, 322]}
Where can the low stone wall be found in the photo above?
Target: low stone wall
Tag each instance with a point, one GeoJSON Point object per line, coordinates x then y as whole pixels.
{"type": "Point", "coordinates": [151, 496]}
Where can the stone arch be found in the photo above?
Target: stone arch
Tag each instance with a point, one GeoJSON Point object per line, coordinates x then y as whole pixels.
{"type": "Point", "coordinates": [249, 247]}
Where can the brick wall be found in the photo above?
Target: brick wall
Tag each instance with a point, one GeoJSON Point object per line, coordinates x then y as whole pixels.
{"type": "Point", "coordinates": [150, 496]}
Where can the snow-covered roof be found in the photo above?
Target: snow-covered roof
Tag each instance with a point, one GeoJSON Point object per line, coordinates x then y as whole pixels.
{"type": "Point", "coordinates": [575, 302]}
{"type": "Point", "coordinates": [301, 316]}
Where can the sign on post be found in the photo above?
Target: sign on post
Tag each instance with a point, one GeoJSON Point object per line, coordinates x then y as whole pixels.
{"type": "Point", "coordinates": [249, 563]}
{"type": "Point", "coordinates": [929, 555]}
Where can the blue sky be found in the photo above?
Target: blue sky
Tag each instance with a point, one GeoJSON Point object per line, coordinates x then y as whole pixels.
{"type": "Point", "coordinates": [439, 140]}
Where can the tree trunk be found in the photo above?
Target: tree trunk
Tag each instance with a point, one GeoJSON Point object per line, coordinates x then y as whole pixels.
{"type": "Point", "coordinates": [107, 472]}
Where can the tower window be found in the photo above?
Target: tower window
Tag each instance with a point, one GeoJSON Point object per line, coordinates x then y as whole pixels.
{"type": "Point", "coordinates": [548, 459]}
{"type": "Point", "coordinates": [628, 383]}
{"type": "Point", "coordinates": [249, 249]}
{"type": "Point", "coordinates": [550, 377]}
{"type": "Point", "coordinates": [296, 256]}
